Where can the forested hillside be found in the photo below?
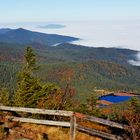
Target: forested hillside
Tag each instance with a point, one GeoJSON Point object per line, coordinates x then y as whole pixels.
{"type": "Point", "coordinates": [68, 85]}
{"type": "Point", "coordinates": [100, 68]}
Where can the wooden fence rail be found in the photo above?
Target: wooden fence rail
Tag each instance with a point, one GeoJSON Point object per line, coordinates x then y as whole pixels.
{"type": "Point", "coordinates": [38, 121]}
{"type": "Point", "coordinates": [37, 111]}
{"type": "Point", "coordinates": [98, 133]}
{"type": "Point", "coordinates": [72, 124]}
{"type": "Point", "coordinates": [99, 120]}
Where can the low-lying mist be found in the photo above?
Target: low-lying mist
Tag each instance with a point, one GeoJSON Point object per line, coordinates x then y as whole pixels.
{"type": "Point", "coordinates": [100, 33]}
{"type": "Point", "coordinates": [135, 62]}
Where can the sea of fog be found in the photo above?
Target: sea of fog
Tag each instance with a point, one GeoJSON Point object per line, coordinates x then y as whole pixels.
{"type": "Point", "coordinates": [121, 34]}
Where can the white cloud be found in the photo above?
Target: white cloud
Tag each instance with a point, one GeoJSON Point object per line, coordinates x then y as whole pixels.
{"type": "Point", "coordinates": [135, 62]}
{"type": "Point", "coordinates": [124, 34]}
{"type": "Point", "coordinates": [103, 33]}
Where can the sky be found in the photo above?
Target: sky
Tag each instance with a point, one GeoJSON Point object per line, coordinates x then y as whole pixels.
{"type": "Point", "coordinates": [100, 23]}
{"type": "Point", "coordinates": [47, 10]}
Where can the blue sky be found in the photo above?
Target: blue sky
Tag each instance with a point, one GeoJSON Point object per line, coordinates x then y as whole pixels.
{"type": "Point", "coordinates": [62, 10]}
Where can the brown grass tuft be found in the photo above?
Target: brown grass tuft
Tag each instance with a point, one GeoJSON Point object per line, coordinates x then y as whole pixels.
{"type": "Point", "coordinates": [57, 133]}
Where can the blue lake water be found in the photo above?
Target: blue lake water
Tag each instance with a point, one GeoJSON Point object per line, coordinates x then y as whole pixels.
{"type": "Point", "coordinates": [115, 99]}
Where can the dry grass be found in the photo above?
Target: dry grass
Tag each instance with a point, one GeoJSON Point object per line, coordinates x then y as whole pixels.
{"type": "Point", "coordinates": [95, 126]}
{"type": "Point", "coordinates": [57, 133]}
{"type": "Point", "coordinates": [1, 133]}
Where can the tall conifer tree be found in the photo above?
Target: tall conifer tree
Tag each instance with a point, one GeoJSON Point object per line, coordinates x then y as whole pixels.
{"type": "Point", "coordinates": [28, 87]}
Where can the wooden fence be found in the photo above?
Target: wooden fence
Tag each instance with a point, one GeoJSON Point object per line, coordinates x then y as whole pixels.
{"type": "Point", "coordinates": [73, 124]}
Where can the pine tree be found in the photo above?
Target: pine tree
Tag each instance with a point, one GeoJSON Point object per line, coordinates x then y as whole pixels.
{"type": "Point", "coordinates": [28, 87]}
{"type": "Point", "coordinates": [30, 91]}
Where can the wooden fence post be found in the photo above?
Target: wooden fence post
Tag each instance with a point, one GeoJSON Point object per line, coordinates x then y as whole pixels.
{"type": "Point", "coordinates": [72, 127]}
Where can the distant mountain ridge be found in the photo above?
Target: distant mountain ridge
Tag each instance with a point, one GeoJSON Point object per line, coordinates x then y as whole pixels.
{"type": "Point", "coordinates": [68, 53]}
{"type": "Point", "coordinates": [4, 30]}
{"type": "Point", "coordinates": [83, 53]}
{"type": "Point", "coordinates": [23, 36]}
